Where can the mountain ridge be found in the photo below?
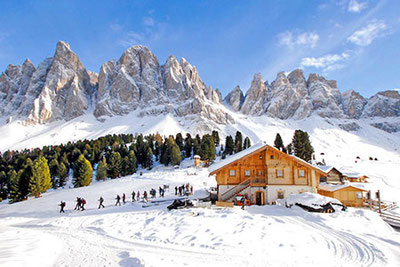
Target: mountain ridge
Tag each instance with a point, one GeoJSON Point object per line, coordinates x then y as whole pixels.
{"type": "Point", "coordinates": [61, 88]}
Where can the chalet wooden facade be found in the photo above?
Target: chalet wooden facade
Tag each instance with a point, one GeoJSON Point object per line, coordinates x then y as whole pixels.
{"type": "Point", "coordinates": [349, 195]}
{"type": "Point", "coordinates": [264, 174]}
{"type": "Point", "coordinates": [334, 175]}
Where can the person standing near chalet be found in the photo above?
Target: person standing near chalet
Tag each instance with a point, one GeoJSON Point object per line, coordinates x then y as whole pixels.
{"type": "Point", "coordinates": [62, 205]}
{"type": "Point", "coordinates": [160, 191]}
{"type": "Point", "coordinates": [118, 198]}
{"type": "Point", "coordinates": [180, 191]}
{"type": "Point", "coordinates": [191, 189]}
{"type": "Point", "coordinates": [145, 196]}
{"type": "Point", "coordinates": [133, 196]}
{"type": "Point", "coordinates": [83, 204]}
{"type": "Point", "coordinates": [123, 198]}
{"type": "Point", "coordinates": [176, 190]}
{"type": "Point", "coordinates": [101, 200]}
{"type": "Point", "coordinates": [138, 196]}
{"type": "Point", "coordinates": [243, 202]}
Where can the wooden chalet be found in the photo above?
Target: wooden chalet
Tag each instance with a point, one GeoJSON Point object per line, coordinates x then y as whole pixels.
{"type": "Point", "coordinates": [355, 177]}
{"type": "Point", "coordinates": [350, 195]}
{"type": "Point", "coordinates": [264, 174]}
{"type": "Point", "coordinates": [334, 175]}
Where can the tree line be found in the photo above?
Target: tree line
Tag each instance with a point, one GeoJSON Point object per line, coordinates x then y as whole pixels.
{"type": "Point", "coordinates": [31, 172]}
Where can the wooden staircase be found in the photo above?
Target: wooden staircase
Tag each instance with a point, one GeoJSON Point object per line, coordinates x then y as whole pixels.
{"type": "Point", "coordinates": [256, 181]}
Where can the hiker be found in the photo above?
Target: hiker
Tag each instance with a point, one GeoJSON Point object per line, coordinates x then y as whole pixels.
{"type": "Point", "coordinates": [160, 191]}
{"type": "Point", "coordinates": [243, 202]}
{"type": "Point", "coordinates": [78, 203]}
{"type": "Point", "coordinates": [133, 196]}
{"type": "Point", "coordinates": [118, 198]}
{"type": "Point", "coordinates": [101, 200]}
{"type": "Point", "coordinates": [83, 204]}
{"type": "Point", "coordinates": [176, 190]}
{"type": "Point", "coordinates": [62, 205]}
{"type": "Point", "coordinates": [138, 196]}
{"type": "Point", "coordinates": [145, 196]}
{"type": "Point", "coordinates": [123, 198]}
{"type": "Point", "coordinates": [180, 191]}
{"type": "Point", "coordinates": [191, 189]}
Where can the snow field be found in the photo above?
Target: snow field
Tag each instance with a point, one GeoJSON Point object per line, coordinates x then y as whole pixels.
{"type": "Point", "coordinates": [131, 235]}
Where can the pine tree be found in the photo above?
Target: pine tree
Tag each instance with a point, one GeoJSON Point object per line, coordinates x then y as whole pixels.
{"type": "Point", "coordinates": [175, 154]}
{"type": "Point", "coordinates": [149, 159]}
{"type": "Point", "coordinates": [62, 174]}
{"type": "Point", "coordinates": [238, 142]}
{"type": "Point", "coordinates": [302, 147]}
{"type": "Point", "coordinates": [278, 143]}
{"type": "Point", "coordinates": [83, 172]}
{"type": "Point", "coordinates": [179, 141]}
{"type": "Point", "coordinates": [246, 143]}
{"type": "Point", "coordinates": [101, 172]}
{"type": "Point", "coordinates": [25, 177]}
{"type": "Point", "coordinates": [14, 193]}
{"type": "Point", "coordinates": [40, 180]}
{"type": "Point", "coordinates": [229, 146]}
{"type": "Point", "coordinates": [115, 165]}
{"type": "Point", "coordinates": [53, 166]}
{"type": "Point", "coordinates": [188, 146]}
{"type": "Point", "coordinates": [215, 136]}
{"type": "Point", "coordinates": [207, 147]}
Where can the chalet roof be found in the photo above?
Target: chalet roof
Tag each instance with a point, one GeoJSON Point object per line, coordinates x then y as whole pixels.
{"type": "Point", "coordinates": [353, 174]}
{"type": "Point", "coordinates": [333, 187]}
{"type": "Point", "coordinates": [326, 168]}
{"type": "Point", "coordinates": [253, 149]}
{"type": "Point", "coordinates": [237, 156]}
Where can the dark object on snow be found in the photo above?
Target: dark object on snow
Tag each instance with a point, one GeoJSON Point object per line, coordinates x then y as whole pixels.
{"type": "Point", "coordinates": [327, 208]}
{"type": "Point", "coordinates": [375, 159]}
{"type": "Point", "coordinates": [62, 205]}
{"type": "Point", "coordinates": [179, 204]}
{"type": "Point", "coordinates": [101, 200]}
{"type": "Point", "coordinates": [118, 198]}
{"type": "Point", "coordinates": [357, 157]}
{"type": "Point", "coordinates": [370, 158]}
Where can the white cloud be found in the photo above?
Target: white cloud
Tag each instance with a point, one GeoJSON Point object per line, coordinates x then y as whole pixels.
{"type": "Point", "coordinates": [355, 6]}
{"type": "Point", "coordinates": [326, 63]}
{"type": "Point", "coordinates": [115, 27]}
{"type": "Point", "coordinates": [148, 21]}
{"type": "Point", "coordinates": [304, 39]}
{"type": "Point", "coordinates": [131, 38]}
{"type": "Point", "coordinates": [366, 35]}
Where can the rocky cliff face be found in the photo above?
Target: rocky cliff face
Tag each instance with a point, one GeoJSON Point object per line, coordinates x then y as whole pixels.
{"type": "Point", "coordinates": [60, 88]}
{"type": "Point", "coordinates": [293, 97]}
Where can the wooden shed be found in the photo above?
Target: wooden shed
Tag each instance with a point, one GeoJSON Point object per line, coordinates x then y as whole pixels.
{"type": "Point", "coordinates": [349, 195]}
{"type": "Point", "coordinates": [355, 177]}
{"type": "Point", "coordinates": [334, 175]}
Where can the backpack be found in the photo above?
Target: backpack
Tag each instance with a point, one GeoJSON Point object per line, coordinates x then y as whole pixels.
{"type": "Point", "coordinates": [83, 201]}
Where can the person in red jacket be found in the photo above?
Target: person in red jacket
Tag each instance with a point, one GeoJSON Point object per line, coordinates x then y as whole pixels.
{"type": "Point", "coordinates": [123, 198]}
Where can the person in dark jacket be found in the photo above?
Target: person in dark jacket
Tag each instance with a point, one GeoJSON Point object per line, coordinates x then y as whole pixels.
{"type": "Point", "coordinates": [62, 205]}
{"type": "Point", "coordinates": [78, 203]}
{"type": "Point", "coordinates": [145, 196]}
{"type": "Point", "coordinates": [118, 198]}
{"type": "Point", "coordinates": [138, 196]}
{"type": "Point", "coordinates": [243, 202]}
{"type": "Point", "coordinates": [133, 196]}
{"type": "Point", "coordinates": [176, 190]}
{"type": "Point", "coordinates": [101, 200]}
{"type": "Point", "coordinates": [123, 198]}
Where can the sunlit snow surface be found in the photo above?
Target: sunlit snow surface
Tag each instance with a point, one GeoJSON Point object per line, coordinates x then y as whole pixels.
{"type": "Point", "coordinates": [37, 235]}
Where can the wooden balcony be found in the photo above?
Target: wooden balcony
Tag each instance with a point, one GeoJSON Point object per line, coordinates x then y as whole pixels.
{"type": "Point", "coordinates": [258, 181]}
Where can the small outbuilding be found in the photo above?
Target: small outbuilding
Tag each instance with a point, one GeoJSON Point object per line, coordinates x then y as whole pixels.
{"type": "Point", "coordinates": [355, 177]}
{"type": "Point", "coordinates": [349, 194]}
{"type": "Point", "coordinates": [334, 175]}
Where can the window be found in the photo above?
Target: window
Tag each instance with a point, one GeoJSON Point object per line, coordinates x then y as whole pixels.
{"type": "Point", "coordinates": [279, 173]}
{"type": "Point", "coordinates": [260, 173]}
{"type": "Point", "coordinates": [281, 195]}
{"type": "Point", "coordinates": [272, 156]}
{"type": "Point", "coordinates": [302, 173]}
{"type": "Point", "coordinates": [247, 173]}
{"type": "Point", "coordinates": [260, 156]}
{"type": "Point", "coordinates": [232, 173]}
{"type": "Point", "coordinates": [358, 195]}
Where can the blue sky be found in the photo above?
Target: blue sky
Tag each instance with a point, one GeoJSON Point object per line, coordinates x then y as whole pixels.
{"type": "Point", "coordinates": [355, 42]}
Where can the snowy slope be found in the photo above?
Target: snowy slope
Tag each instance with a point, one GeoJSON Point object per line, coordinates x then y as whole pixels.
{"type": "Point", "coordinates": [130, 235]}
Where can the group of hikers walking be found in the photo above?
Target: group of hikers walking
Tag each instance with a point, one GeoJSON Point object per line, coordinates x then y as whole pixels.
{"type": "Point", "coordinates": [136, 196]}
{"type": "Point", "coordinates": [184, 190]}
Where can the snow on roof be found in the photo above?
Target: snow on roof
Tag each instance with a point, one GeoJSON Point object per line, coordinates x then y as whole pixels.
{"type": "Point", "coordinates": [325, 168]}
{"type": "Point", "coordinates": [334, 187]}
{"type": "Point", "coordinates": [237, 156]}
{"type": "Point", "coordinates": [249, 151]}
{"type": "Point", "coordinates": [352, 174]}
{"type": "Point", "coordinates": [196, 156]}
